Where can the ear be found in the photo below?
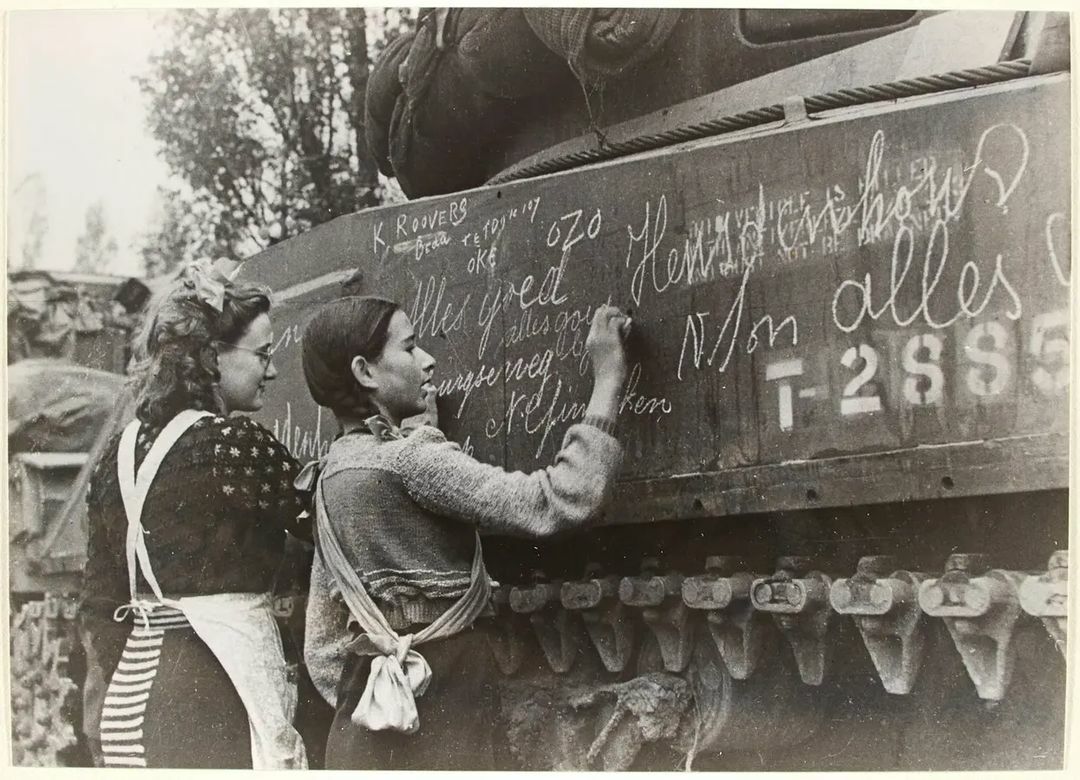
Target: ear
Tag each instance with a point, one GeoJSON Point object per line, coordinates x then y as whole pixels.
{"type": "Point", "coordinates": [361, 371]}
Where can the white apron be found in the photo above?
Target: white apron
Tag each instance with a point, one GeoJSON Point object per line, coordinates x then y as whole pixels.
{"type": "Point", "coordinates": [239, 628]}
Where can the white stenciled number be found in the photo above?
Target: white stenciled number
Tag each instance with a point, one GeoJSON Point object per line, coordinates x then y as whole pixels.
{"type": "Point", "coordinates": [782, 372]}
{"type": "Point", "coordinates": [851, 402]}
{"type": "Point", "coordinates": [926, 386]}
{"type": "Point", "coordinates": [977, 380]}
{"type": "Point", "coordinates": [1052, 351]}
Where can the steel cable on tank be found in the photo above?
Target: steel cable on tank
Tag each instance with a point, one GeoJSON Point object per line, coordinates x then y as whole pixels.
{"type": "Point", "coordinates": [842, 98]}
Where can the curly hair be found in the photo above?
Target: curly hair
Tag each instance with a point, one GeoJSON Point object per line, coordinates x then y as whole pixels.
{"type": "Point", "coordinates": [175, 359]}
{"type": "Point", "coordinates": [340, 331]}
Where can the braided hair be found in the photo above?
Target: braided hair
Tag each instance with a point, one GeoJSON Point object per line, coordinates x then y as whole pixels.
{"type": "Point", "coordinates": [175, 357]}
{"type": "Point", "coordinates": [340, 331]}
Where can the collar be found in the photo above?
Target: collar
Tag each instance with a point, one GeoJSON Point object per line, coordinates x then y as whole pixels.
{"type": "Point", "coordinates": [382, 429]}
{"type": "Point", "coordinates": [377, 425]}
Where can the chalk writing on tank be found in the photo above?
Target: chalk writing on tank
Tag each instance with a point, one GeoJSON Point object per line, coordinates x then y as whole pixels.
{"type": "Point", "coordinates": [883, 292]}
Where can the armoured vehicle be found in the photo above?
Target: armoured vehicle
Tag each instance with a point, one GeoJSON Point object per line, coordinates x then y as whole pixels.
{"type": "Point", "coordinates": [840, 537]}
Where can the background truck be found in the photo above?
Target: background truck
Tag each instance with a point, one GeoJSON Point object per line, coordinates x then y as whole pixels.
{"type": "Point", "coordinates": [68, 336]}
{"type": "Point", "coordinates": [840, 536]}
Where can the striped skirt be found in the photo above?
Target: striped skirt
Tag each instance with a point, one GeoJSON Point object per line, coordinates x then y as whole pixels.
{"type": "Point", "coordinates": [170, 703]}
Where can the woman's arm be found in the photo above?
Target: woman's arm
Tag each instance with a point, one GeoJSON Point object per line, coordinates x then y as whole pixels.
{"type": "Point", "coordinates": [443, 479]}
{"type": "Point", "coordinates": [104, 582]}
{"type": "Point", "coordinates": [325, 632]}
{"type": "Point", "coordinates": [104, 577]}
{"type": "Point", "coordinates": [446, 481]}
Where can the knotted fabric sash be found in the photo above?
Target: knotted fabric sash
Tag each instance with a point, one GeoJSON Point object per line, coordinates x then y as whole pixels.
{"type": "Point", "coordinates": [239, 628]}
{"type": "Point", "coordinates": [398, 673]}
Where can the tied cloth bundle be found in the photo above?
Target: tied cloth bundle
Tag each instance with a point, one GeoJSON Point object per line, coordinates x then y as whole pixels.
{"type": "Point", "coordinates": [397, 677]}
{"type": "Point", "coordinates": [599, 43]}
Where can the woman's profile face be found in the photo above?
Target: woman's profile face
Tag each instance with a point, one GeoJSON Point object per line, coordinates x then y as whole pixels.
{"type": "Point", "coordinates": [246, 367]}
{"type": "Point", "coordinates": [402, 372]}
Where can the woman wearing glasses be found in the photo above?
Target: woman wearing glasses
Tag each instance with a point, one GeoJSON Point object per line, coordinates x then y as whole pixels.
{"type": "Point", "coordinates": [188, 513]}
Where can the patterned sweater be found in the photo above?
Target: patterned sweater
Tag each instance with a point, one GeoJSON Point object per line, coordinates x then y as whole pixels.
{"type": "Point", "coordinates": [405, 512]}
{"type": "Point", "coordinates": [215, 515]}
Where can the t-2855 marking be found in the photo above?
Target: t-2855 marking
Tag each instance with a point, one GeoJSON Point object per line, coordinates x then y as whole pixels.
{"type": "Point", "coordinates": [986, 366]}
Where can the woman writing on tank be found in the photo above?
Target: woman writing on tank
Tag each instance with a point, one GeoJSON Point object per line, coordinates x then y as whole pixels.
{"type": "Point", "coordinates": [188, 512]}
{"type": "Point", "coordinates": [398, 579]}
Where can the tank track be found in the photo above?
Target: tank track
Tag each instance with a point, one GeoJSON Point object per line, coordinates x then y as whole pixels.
{"type": "Point", "coordinates": [43, 636]}
{"type": "Point", "coordinates": [734, 662]}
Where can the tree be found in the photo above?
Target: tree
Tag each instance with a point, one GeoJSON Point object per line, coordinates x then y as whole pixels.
{"type": "Point", "coordinates": [34, 240]}
{"type": "Point", "coordinates": [32, 197]}
{"type": "Point", "coordinates": [95, 249]}
{"type": "Point", "coordinates": [260, 113]}
{"type": "Point", "coordinates": [179, 236]}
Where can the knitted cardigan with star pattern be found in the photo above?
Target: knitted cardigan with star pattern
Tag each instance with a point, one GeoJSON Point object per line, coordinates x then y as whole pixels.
{"type": "Point", "coordinates": [406, 510]}
{"type": "Point", "coordinates": [215, 516]}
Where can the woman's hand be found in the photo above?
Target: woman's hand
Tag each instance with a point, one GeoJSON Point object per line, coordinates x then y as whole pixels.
{"type": "Point", "coordinates": [431, 412]}
{"type": "Point", "coordinates": [430, 415]}
{"type": "Point", "coordinates": [606, 344]}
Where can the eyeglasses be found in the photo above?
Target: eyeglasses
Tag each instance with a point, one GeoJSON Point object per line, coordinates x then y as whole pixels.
{"type": "Point", "coordinates": [265, 355]}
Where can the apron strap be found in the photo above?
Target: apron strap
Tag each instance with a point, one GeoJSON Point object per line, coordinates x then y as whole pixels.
{"type": "Point", "coordinates": [135, 486]}
{"type": "Point", "coordinates": [240, 631]}
{"type": "Point", "coordinates": [363, 609]}
{"type": "Point", "coordinates": [398, 674]}
{"type": "Point", "coordinates": [459, 616]}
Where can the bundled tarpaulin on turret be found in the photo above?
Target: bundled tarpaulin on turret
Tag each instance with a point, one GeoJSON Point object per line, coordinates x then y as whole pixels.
{"type": "Point", "coordinates": [438, 99]}
{"type": "Point", "coordinates": [600, 43]}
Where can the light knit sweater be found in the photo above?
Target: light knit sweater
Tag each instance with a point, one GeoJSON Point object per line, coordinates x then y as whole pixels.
{"type": "Point", "coordinates": [405, 512]}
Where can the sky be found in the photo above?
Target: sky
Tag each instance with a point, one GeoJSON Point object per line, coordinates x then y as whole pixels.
{"type": "Point", "coordinates": [77, 132]}
{"type": "Point", "coordinates": [76, 124]}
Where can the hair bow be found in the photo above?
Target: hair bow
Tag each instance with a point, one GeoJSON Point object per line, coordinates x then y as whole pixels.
{"type": "Point", "coordinates": [207, 282]}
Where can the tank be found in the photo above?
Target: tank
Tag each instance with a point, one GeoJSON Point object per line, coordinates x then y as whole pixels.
{"type": "Point", "coordinates": [840, 540]}
{"type": "Point", "coordinates": [840, 536]}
